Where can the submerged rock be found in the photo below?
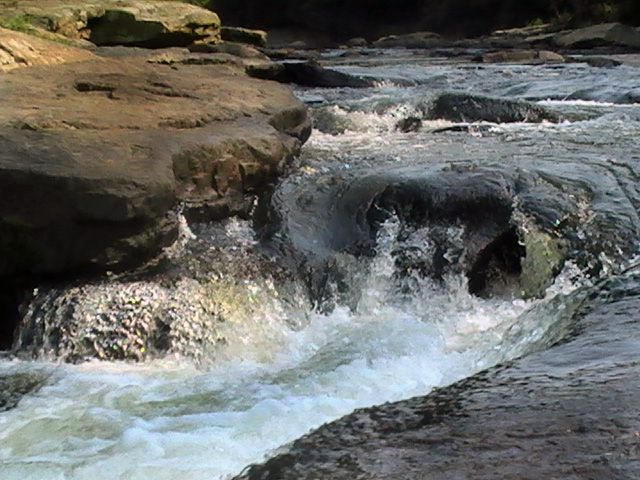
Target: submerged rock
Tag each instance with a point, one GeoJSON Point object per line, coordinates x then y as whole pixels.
{"type": "Point", "coordinates": [13, 386]}
{"type": "Point", "coordinates": [466, 107]}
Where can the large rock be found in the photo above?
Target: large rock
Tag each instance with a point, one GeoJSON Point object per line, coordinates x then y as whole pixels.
{"type": "Point", "coordinates": [94, 155]}
{"type": "Point", "coordinates": [124, 22]}
{"type": "Point", "coordinates": [605, 34]}
{"type": "Point", "coordinates": [465, 107]}
{"type": "Point", "coordinates": [22, 50]}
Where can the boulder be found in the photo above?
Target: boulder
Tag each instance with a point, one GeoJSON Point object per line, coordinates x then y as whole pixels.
{"type": "Point", "coordinates": [94, 155]}
{"type": "Point", "coordinates": [605, 34]}
{"type": "Point", "coordinates": [308, 74]}
{"type": "Point", "coordinates": [465, 107]}
{"type": "Point", "coordinates": [20, 50]}
{"type": "Point", "coordinates": [411, 40]}
{"type": "Point", "coordinates": [141, 23]}
{"type": "Point", "coordinates": [257, 38]}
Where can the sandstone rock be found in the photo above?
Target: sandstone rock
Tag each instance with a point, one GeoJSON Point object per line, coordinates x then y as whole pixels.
{"type": "Point", "coordinates": [605, 34]}
{"type": "Point", "coordinates": [126, 22]}
{"type": "Point", "coordinates": [232, 48]}
{"type": "Point", "coordinates": [244, 35]}
{"type": "Point", "coordinates": [411, 40]}
{"type": "Point", "coordinates": [94, 155]}
{"type": "Point", "coordinates": [464, 107]}
{"type": "Point", "coordinates": [20, 50]}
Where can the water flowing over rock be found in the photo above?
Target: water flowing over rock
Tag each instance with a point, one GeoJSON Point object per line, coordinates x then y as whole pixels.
{"type": "Point", "coordinates": [556, 413]}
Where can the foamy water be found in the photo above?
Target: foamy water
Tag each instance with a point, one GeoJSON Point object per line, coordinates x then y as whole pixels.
{"type": "Point", "coordinates": [168, 420]}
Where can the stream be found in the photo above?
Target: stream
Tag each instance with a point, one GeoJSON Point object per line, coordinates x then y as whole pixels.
{"type": "Point", "coordinates": [383, 322]}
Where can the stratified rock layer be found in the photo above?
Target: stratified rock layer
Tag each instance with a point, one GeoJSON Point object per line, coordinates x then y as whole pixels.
{"type": "Point", "coordinates": [94, 155]}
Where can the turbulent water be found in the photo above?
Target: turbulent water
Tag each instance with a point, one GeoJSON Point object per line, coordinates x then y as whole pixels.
{"type": "Point", "coordinates": [276, 378]}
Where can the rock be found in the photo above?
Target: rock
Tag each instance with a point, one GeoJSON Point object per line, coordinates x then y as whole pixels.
{"type": "Point", "coordinates": [547, 56]}
{"type": "Point", "coordinates": [357, 42]}
{"type": "Point", "coordinates": [126, 22]}
{"type": "Point", "coordinates": [465, 107]}
{"type": "Point", "coordinates": [409, 124]}
{"type": "Point", "coordinates": [520, 56]}
{"type": "Point", "coordinates": [601, 62]}
{"type": "Point", "coordinates": [20, 50]}
{"type": "Point", "coordinates": [290, 54]}
{"type": "Point", "coordinates": [411, 40]}
{"type": "Point", "coordinates": [257, 38]}
{"type": "Point", "coordinates": [605, 34]}
{"type": "Point", "coordinates": [308, 74]}
{"type": "Point", "coordinates": [237, 49]}
{"type": "Point", "coordinates": [114, 143]}
{"type": "Point", "coordinates": [13, 386]}
{"type": "Point", "coordinates": [555, 413]}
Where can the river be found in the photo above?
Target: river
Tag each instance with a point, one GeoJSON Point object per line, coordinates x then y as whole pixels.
{"type": "Point", "coordinates": [381, 330]}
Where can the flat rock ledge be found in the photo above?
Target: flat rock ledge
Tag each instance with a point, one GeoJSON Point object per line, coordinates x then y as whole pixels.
{"type": "Point", "coordinates": [568, 412]}
{"type": "Point", "coordinates": [95, 155]}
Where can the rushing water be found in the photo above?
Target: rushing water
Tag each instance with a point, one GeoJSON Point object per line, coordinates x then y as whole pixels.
{"type": "Point", "coordinates": [274, 380]}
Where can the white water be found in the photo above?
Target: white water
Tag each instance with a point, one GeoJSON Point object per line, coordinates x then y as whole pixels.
{"type": "Point", "coordinates": [168, 420]}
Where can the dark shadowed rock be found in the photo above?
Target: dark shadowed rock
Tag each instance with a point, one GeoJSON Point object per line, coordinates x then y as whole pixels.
{"type": "Point", "coordinates": [567, 412]}
{"type": "Point", "coordinates": [308, 74]}
{"type": "Point", "coordinates": [465, 107]}
{"type": "Point", "coordinates": [13, 386]}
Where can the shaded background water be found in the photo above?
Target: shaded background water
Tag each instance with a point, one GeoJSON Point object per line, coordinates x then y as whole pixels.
{"type": "Point", "coordinates": [275, 380]}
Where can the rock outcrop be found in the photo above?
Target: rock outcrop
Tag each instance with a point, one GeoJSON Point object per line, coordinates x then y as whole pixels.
{"type": "Point", "coordinates": [308, 74]}
{"type": "Point", "coordinates": [22, 50]}
{"type": "Point", "coordinates": [94, 155]}
{"type": "Point", "coordinates": [141, 23]}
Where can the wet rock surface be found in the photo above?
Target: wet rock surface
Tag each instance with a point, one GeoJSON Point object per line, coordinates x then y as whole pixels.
{"type": "Point", "coordinates": [567, 412]}
{"type": "Point", "coordinates": [13, 386]}
{"type": "Point", "coordinates": [308, 74]}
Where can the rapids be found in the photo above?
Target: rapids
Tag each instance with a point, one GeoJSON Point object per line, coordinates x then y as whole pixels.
{"type": "Point", "coordinates": [379, 331]}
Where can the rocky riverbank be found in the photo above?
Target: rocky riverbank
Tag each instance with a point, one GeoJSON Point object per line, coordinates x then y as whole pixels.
{"type": "Point", "coordinates": [99, 147]}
